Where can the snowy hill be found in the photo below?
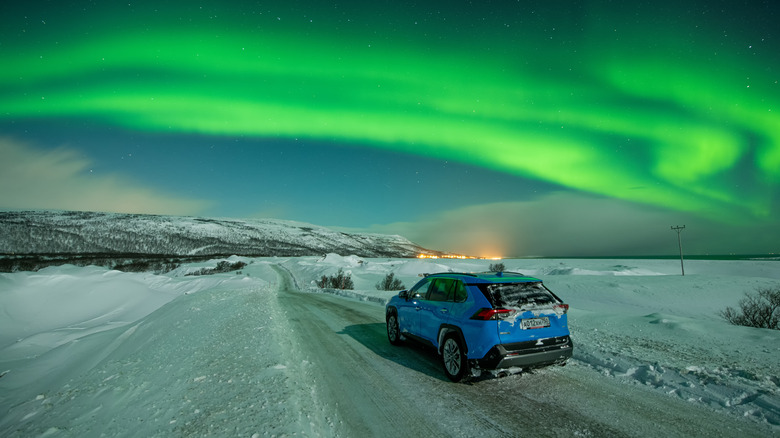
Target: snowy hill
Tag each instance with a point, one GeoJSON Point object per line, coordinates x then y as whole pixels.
{"type": "Point", "coordinates": [46, 232]}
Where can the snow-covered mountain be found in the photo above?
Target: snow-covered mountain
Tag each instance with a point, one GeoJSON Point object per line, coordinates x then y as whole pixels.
{"type": "Point", "coordinates": [69, 232]}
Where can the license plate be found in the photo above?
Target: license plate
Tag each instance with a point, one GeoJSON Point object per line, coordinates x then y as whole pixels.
{"type": "Point", "coordinates": [533, 323]}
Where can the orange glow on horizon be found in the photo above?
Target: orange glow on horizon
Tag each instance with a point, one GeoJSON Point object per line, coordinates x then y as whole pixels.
{"type": "Point", "coordinates": [454, 256]}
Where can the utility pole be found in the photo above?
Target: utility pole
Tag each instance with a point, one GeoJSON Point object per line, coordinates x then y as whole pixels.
{"type": "Point", "coordinates": [679, 243]}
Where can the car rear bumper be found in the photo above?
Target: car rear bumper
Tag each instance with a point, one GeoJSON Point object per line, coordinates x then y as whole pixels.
{"type": "Point", "coordinates": [529, 354]}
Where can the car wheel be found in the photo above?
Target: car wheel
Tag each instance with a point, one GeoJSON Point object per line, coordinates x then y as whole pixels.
{"type": "Point", "coordinates": [453, 357]}
{"type": "Point", "coordinates": [393, 331]}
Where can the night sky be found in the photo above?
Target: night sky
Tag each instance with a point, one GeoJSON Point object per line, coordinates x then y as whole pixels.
{"type": "Point", "coordinates": [491, 128]}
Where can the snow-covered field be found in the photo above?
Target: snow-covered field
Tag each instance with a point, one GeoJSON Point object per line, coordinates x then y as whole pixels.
{"type": "Point", "coordinates": [93, 352]}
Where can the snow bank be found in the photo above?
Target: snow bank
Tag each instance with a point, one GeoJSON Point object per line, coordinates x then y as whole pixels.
{"type": "Point", "coordinates": [56, 305]}
{"type": "Point", "coordinates": [341, 261]}
{"type": "Point", "coordinates": [167, 367]}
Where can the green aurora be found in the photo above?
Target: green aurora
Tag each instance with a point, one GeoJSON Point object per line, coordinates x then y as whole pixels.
{"type": "Point", "coordinates": [679, 113]}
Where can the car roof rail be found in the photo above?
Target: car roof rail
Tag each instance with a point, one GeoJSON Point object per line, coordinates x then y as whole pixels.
{"type": "Point", "coordinates": [469, 274]}
{"type": "Point", "coordinates": [500, 273]}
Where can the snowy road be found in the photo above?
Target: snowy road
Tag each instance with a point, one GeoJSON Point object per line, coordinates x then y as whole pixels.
{"type": "Point", "coordinates": [375, 389]}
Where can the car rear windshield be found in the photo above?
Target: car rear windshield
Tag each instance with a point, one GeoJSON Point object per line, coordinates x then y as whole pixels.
{"type": "Point", "coordinates": [528, 294]}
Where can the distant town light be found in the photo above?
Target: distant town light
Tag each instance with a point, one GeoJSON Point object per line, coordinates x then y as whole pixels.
{"type": "Point", "coordinates": [454, 256]}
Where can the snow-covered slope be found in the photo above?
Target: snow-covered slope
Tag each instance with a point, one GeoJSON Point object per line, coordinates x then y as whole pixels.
{"type": "Point", "coordinates": [47, 232]}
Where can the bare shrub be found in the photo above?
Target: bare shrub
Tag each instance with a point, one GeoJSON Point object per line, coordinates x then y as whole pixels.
{"type": "Point", "coordinates": [338, 281]}
{"type": "Point", "coordinates": [760, 310]}
{"type": "Point", "coordinates": [223, 266]}
{"type": "Point", "coordinates": [390, 283]}
{"type": "Point", "coordinates": [497, 267]}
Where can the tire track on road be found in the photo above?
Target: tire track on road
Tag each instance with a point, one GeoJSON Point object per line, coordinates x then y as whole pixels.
{"type": "Point", "coordinates": [348, 373]}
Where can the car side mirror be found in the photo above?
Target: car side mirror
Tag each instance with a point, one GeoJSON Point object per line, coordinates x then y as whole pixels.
{"type": "Point", "coordinates": [403, 294]}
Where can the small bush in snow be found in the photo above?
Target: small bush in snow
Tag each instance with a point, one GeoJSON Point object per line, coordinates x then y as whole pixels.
{"type": "Point", "coordinates": [338, 281]}
{"type": "Point", "coordinates": [223, 266]}
{"type": "Point", "coordinates": [761, 310]}
{"type": "Point", "coordinates": [390, 283]}
{"type": "Point", "coordinates": [497, 267]}
{"type": "Point", "coordinates": [141, 265]}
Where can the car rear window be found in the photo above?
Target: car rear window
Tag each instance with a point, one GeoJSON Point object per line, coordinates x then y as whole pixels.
{"type": "Point", "coordinates": [527, 294]}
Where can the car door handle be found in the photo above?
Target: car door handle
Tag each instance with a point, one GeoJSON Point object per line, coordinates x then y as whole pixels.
{"type": "Point", "coordinates": [417, 308]}
{"type": "Point", "coordinates": [443, 310]}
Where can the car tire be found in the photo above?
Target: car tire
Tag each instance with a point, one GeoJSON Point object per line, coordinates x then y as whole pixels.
{"type": "Point", "coordinates": [453, 358]}
{"type": "Point", "coordinates": [393, 330]}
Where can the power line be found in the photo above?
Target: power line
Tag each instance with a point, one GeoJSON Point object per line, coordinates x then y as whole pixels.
{"type": "Point", "coordinates": [679, 243]}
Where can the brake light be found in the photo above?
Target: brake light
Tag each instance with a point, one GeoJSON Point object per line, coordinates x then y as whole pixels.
{"type": "Point", "coordinates": [561, 309]}
{"type": "Point", "coordinates": [486, 314]}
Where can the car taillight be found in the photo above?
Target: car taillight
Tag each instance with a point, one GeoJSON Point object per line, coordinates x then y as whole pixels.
{"type": "Point", "coordinates": [561, 309]}
{"type": "Point", "coordinates": [486, 314]}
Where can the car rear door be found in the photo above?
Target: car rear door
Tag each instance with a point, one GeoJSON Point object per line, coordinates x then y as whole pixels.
{"type": "Point", "coordinates": [435, 308]}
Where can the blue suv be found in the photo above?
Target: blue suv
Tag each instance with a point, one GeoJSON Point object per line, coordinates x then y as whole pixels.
{"type": "Point", "coordinates": [485, 321]}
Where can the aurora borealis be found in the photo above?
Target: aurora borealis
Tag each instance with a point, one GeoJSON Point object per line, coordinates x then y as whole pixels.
{"type": "Point", "coordinates": [456, 124]}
